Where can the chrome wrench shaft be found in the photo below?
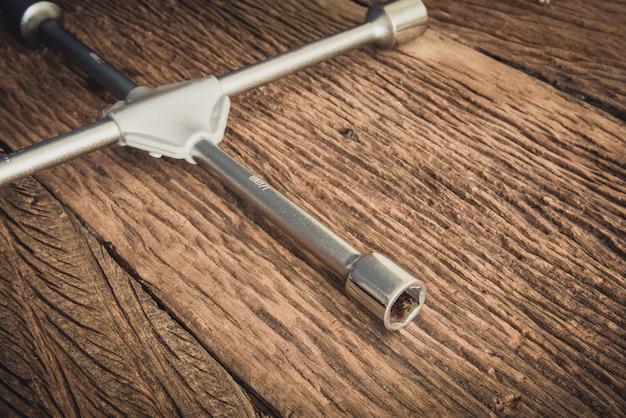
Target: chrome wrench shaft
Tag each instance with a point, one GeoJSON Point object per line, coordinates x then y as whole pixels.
{"type": "Point", "coordinates": [379, 285]}
{"type": "Point", "coordinates": [57, 150]}
{"type": "Point", "coordinates": [334, 252]}
{"type": "Point", "coordinates": [386, 26]}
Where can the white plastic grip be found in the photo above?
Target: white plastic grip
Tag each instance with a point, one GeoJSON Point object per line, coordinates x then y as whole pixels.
{"type": "Point", "coordinates": [170, 119]}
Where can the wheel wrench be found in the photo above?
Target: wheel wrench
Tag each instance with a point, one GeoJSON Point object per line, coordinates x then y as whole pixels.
{"type": "Point", "coordinates": [145, 120]}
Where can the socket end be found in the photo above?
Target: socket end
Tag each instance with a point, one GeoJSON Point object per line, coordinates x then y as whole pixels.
{"type": "Point", "coordinates": [33, 16]}
{"type": "Point", "coordinates": [386, 290]}
{"type": "Point", "coordinates": [398, 22]}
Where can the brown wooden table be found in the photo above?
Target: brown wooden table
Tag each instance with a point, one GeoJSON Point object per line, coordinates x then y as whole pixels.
{"type": "Point", "coordinates": [488, 158]}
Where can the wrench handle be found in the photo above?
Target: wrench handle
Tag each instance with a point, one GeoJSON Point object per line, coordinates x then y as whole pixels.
{"type": "Point", "coordinates": [105, 74]}
{"type": "Point", "coordinates": [57, 150]}
{"type": "Point", "coordinates": [333, 251]}
{"type": "Point", "coordinates": [373, 281]}
{"type": "Point", "coordinates": [43, 21]}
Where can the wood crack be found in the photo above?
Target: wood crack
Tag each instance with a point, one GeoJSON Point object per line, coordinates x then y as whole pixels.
{"type": "Point", "coordinates": [59, 283]}
{"type": "Point", "coordinates": [596, 102]}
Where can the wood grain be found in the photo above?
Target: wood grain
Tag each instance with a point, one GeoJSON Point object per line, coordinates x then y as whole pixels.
{"type": "Point", "coordinates": [576, 46]}
{"type": "Point", "coordinates": [81, 337]}
{"type": "Point", "coordinates": [505, 195]}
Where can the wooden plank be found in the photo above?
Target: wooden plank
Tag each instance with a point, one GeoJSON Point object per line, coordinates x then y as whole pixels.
{"type": "Point", "coordinates": [79, 336]}
{"type": "Point", "coordinates": [504, 195]}
{"type": "Point", "coordinates": [577, 46]}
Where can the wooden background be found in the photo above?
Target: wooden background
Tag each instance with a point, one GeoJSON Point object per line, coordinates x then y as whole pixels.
{"type": "Point", "coordinates": [488, 158]}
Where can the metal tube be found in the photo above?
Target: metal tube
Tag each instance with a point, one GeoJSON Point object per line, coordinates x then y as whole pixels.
{"type": "Point", "coordinates": [268, 70]}
{"type": "Point", "coordinates": [57, 150]}
{"type": "Point", "coordinates": [386, 25]}
{"type": "Point", "coordinates": [333, 251]}
{"type": "Point", "coordinates": [376, 283]}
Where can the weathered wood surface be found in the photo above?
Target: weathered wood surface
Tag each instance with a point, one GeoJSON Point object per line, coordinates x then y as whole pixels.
{"type": "Point", "coordinates": [81, 337]}
{"type": "Point", "coordinates": [576, 45]}
{"type": "Point", "coordinates": [505, 195]}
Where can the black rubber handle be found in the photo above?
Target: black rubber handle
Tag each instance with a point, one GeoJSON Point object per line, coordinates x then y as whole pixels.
{"type": "Point", "coordinates": [43, 23]}
{"type": "Point", "coordinates": [104, 73]}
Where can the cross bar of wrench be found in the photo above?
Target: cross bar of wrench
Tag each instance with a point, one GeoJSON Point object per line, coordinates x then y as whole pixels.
{"type": "Point", "coordinates": [386, 26]}
{"type": "Point", "coordinates": [374, 281]}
